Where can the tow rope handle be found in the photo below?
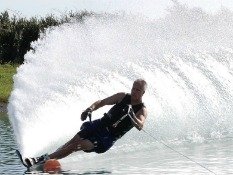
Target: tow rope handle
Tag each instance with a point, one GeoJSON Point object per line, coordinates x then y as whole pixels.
{"type": "Point", "coordinates": [89, 115]}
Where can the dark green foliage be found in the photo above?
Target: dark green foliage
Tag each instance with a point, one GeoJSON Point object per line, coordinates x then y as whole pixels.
{"type": "Point", "coordinates": [16, 34]}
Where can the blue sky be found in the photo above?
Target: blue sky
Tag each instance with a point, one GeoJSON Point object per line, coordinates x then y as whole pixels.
{"type": "Point", "coordinates": [149, 8]}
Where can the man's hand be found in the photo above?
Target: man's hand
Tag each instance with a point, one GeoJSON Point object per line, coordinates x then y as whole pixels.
{"type": "Point", "coordinates": [131, 112]}
{"type": "Point", "coordinates": [134, 119]}
{"type": "Point", "coordinates": [86, 113]}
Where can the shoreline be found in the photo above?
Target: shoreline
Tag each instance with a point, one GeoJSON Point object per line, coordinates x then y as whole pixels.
{"type": "Point", "coordinates": [3, 107]}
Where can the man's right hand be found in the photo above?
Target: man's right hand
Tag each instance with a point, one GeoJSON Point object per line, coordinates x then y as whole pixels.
{"type": "Point", "coordinates": [86, 113]}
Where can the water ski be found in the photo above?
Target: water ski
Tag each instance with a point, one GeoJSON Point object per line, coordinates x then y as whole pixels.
{"type": "Point", "coordinates": [51, 165]}
{"type": "Point", "coordinates": [21, 158]}
{"type": "Point", "coordinates": [34, 167]}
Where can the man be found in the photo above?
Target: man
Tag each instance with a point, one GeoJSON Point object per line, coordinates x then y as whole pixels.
{"type": "Point", "coordinates": [99, 135]}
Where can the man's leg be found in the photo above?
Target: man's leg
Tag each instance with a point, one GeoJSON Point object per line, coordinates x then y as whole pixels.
{"type": "Point", "coordinates": [75, 144]}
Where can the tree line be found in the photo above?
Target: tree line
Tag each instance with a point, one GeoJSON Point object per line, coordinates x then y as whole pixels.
{"type": "Point", "coordinates": [16, 33]}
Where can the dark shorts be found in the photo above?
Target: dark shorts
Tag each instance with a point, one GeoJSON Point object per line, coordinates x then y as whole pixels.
{"type": "Point", "coordinates": [102, 139]}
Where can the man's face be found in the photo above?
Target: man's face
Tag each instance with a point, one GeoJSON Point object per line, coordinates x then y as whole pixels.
{"type": "Point", "coordinates": [137, 91]}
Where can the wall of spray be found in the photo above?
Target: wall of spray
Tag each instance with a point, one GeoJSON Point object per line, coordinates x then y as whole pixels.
{"type": "Point", "coordinates": [186, 58]}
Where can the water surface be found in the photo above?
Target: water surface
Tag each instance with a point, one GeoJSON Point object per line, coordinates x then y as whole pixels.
{"type": "Point", "coordinates": [149, 158]}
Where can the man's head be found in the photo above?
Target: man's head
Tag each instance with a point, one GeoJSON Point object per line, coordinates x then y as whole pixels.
{"type": "Point", "coordinates": [138, 89]}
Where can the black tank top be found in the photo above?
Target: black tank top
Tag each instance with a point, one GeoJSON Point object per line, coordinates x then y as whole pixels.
{"type": "Point", "coordinates": [115, 114]}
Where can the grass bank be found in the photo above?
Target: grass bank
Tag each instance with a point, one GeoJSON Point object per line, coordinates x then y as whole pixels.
{"type": "Point", "coordinates": [6, 81]}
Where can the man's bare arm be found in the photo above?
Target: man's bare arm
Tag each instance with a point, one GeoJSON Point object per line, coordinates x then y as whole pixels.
{"type": "Point", "coordinates": [139, 119]}
{"type": "Point", "coordinates": [116, 98]}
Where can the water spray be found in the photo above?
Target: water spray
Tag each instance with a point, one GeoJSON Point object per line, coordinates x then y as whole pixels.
{"type": "Point", "coordinates": [178, 152]}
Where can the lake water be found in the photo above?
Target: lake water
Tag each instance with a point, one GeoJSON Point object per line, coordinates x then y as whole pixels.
{"type": "Point", "coordinates": [149, 158]}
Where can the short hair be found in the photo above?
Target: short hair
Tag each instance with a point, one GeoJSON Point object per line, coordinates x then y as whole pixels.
{"type": "Point", "coordinates": [142, 82]}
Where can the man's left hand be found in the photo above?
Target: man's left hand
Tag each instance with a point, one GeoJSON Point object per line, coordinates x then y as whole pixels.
{"type": "Point", "coordinates": [86, 113]}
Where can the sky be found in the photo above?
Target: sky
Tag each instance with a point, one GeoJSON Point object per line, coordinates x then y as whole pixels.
{"type": "Point", "coordinates": [148, 8]}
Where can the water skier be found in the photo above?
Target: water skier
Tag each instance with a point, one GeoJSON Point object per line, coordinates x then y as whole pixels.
{"type": "Point", "coordinates": [99, 135]}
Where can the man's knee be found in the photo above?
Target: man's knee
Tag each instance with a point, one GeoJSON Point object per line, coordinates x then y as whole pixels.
{"type": "Point", "coordinates": [86, 145]}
